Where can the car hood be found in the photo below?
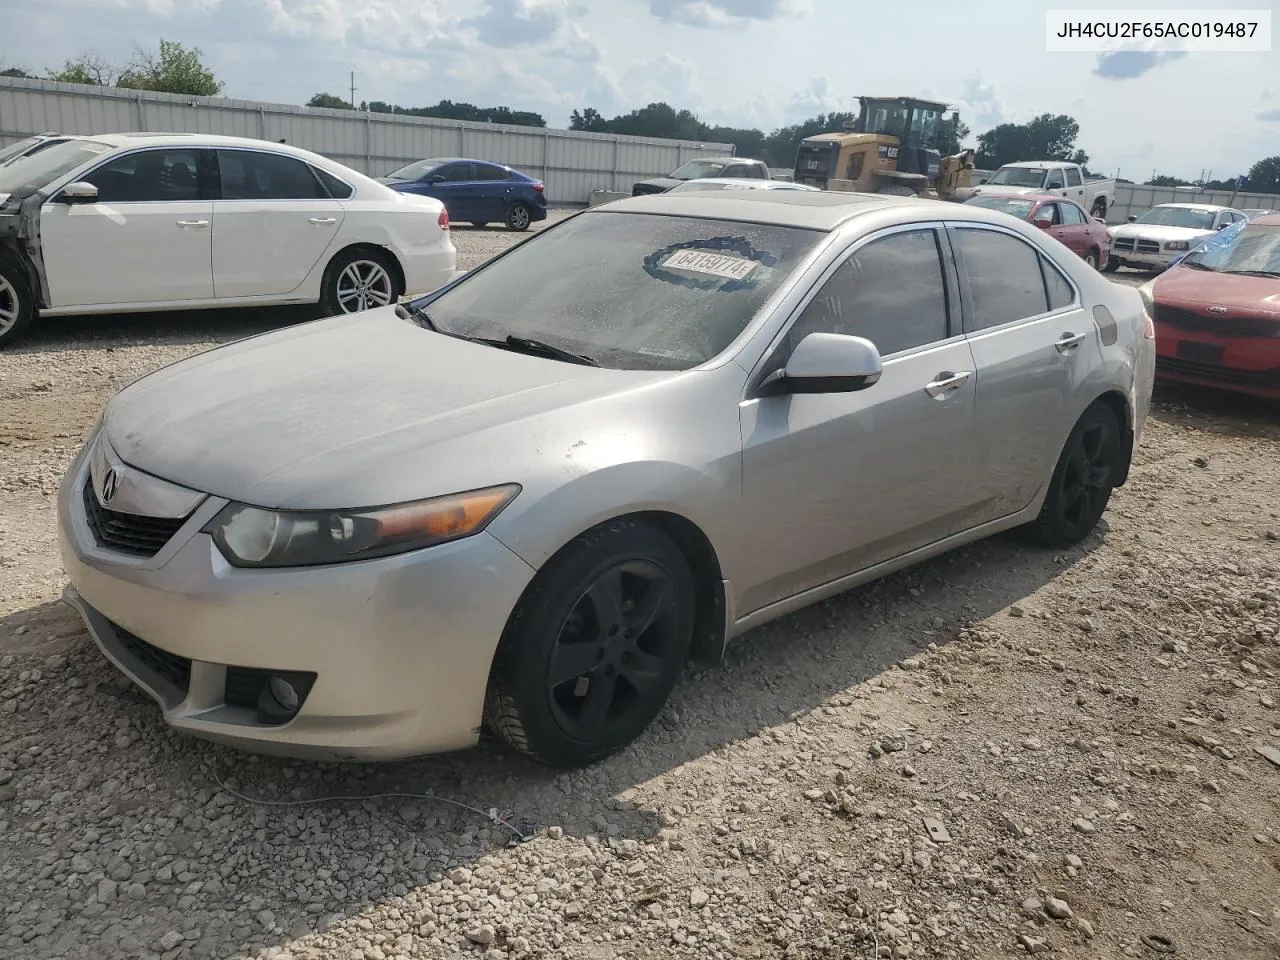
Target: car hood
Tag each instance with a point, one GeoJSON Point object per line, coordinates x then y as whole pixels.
{"type": "Point", "coordinates": [666, 183]}
{"type": "Point", "coordinates": [353, 411]}
{"type": "Point", "coordinates": [1239, 293]}
{"type": "Point", "coordinates": [1157, 232]}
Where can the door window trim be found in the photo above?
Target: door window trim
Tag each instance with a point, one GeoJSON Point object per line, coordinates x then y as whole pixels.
{"type": "Point", "coordinates": [206, 165]}
{"type": "Point", "coordinates": [1044, 261]}
{"type": "Point", "coordinates": [955, 328]}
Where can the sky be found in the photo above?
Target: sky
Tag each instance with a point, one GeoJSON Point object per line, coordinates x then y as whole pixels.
{"type": "Point", "coordinates": [761, 63]}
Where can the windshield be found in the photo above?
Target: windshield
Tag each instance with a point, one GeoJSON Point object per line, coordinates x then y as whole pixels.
{"type": "Point", "coordinates": [40, 169]}
{"type": "Point", "coordinates": [1018, 208]}
{"type": "Point", "coordinates": [697, 168]}
{"type": "Point", "coordinates": [1018, 177]}
{"type": "Point", "coordinates": [1178, 217]}
{"type": "Point", "coordinates": [631, 291]}
{"type": "Point", "coordinates": [416, 170]}
{"type": "Point", "coordinates": [1241, 248]}
{"type": "Point", "coordinates": [11, 151]}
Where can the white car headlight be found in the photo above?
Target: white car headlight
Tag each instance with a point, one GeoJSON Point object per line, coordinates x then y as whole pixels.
{"type": "Point", "coordinates": [1176, 245]}
{"type": "Point", "coordinates": [253, 537]}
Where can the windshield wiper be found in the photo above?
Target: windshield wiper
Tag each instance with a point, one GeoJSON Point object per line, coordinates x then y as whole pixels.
{"type": "Point", "coordinates": [407, 311]}
{"type": "Point", "coordinates": [1254, 273]}
{"type": "Point", "coordinates": [1195, 265]}
{"type": "Point", "coordinates": [537, 348]}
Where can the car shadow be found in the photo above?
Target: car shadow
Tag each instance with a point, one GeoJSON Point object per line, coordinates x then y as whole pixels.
{"type": "Point", "coordinates": [1216, 411]}
{"type": "Point", "coordinates": [770, 678]}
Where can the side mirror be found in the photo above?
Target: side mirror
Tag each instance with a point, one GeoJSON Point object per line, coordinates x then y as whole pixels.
{"type": "Point", "coordinates": [78, 192]}
{"type": "Point", "coordinates": [1133, 217]}
{"type": "Point", "coordinates": [1043, 222]}
{"type": "Point", "coordinates": [1223, 226]}
{"type": "Point", "coordinates": [435, 179]}
{"type": "Point", "coordinates": [826, 363]}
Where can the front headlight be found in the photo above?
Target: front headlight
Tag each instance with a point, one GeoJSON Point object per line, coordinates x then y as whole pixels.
{"type": "Point", "coordinates": [1176, 245]}
{"type": "Point", "coordinates": [252, 537]}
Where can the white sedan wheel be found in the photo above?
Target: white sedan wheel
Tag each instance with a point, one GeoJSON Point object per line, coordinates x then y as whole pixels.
{"type": "Point", "coordinates": [363, 285]}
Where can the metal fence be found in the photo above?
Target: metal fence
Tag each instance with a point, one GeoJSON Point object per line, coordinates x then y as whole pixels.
{"type": "Point", "coordinates": [1133, 199]}
{"type": "Point", "coordinates": [571, 163]}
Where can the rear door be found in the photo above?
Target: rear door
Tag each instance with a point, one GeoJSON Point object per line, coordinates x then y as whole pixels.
{"type": "Point", "coordinates": [1033, 345]}
{"type": "Point", "coordinates": [272, 223]}
{"type": "Point", "coordinates": [146, 240]}
{"type": "Point", "coordinates": [1075, 184]}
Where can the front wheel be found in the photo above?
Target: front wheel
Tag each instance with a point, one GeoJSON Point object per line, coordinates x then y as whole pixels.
{"type": "Point", "coordinates": [1113, 264]}
{"type": "Point", "coordinates": [358, 280]}
{"type": "Point", "coordinates": [17, 304]}
{"type": "Point", "coordinates": [519, 217]}
{"type": "Point", "coordinates": [595, 646]}
{"type": "Point", "coordinates": [1082, 481]}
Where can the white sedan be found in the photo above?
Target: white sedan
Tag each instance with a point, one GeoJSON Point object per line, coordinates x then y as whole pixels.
{"type": "Point", "coordinates": [129, 222]}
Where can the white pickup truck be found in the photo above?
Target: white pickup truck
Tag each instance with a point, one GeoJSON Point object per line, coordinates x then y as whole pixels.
{"type": "Point", "coordinates": [1054, 177]}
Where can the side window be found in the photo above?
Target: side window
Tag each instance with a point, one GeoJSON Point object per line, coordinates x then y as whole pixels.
{"type": "Point", "coordinates": [1003, 272]}
{"type": "Point", "coordinates": [1071, 214]}
{"type": "Point", "coordinates": [486, 172]}
{"type": "Point", "coordinates": [891, 291]}
{"type": "Point", "coordinates": [453, 172]}
{"type": "Point", "coordinates": [758, 171]}
{"type": "Point", "coordinates": [1056, 285]}
{"type": "Point", "coordinates": [1073, 176]}
{"type": "Point", "coordinates": [337, 189]}
{"type": "Point", "coordinates": [735, 170]}
{"type": "Point", "coordinates": [252, 175]}
{"type": "Point", "coordinates": [149, 176]}
{"type": "Point", "coordinates": [1054, 181]}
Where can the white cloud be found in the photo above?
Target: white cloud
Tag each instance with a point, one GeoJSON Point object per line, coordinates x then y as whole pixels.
{"type": "Point", "coordinates": [819, 96]}
{"type": "Point", "coordinates": [725, 13]}
{"type": "Point", "coordinates": [980, 106]}
{"type": "Point", "coordinates": [665, 77]}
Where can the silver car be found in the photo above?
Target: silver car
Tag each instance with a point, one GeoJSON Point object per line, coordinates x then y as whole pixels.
{"type": "Point", "coordinates": [525, 500]}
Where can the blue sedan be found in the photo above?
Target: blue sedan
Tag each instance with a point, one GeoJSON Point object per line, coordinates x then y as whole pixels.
{"type": "Point", "coordinates": [475, 191]}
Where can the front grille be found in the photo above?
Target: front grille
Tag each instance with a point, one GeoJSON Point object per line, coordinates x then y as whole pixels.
{"type": "Point", "coordinates": [1148, 246]}
{"type": "Point", "coordinates": [244, 686]}
{"type": "Point", "coordinates": [128, 533]}
{"type": "Point", "coordinates": [1223, 326]}
{"type": "Point", "coordinates": [1124, 243]}
{"type": "Point", "coordinates": [170, 667]}
{"type": "Point", "coordinates": [1263, 379]}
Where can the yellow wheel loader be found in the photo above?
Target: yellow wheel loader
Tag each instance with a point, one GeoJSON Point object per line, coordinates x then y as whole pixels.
{"type": "Point", "coordinates": [890, 149]}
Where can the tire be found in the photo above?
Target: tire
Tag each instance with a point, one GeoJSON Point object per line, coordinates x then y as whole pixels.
{"type": "Point", "coordinates": [519, 217]}
{"type": "Point", "coordinates": [1099, 210]}
{"type": "Point", "coordinates": [553, 718]}
{"type": "Point", "coordinates": [353, 271]}
{"type": "Point", "coordinates": [17, 303]}
{"type": "Point", "coordinates": [1091, 258]}
{"type": "Point", "coordinates": [1113, 264]}
{"type": "Point", "coordinates": [1082, 481]}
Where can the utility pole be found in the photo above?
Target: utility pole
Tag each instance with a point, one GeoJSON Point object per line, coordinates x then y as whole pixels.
{"type": "Point", "coordinates": [353, 89]}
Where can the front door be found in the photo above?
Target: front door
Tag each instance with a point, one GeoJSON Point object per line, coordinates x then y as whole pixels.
{"type": "Point", "coordinates": [273, 222]}
{"type": "Point", "coordinates": [834, 483]}
{"type": "Point", "coordinates": [453, 184]}
{"type": "Point", "coordinates": [147, 239]}
{"type": "Point", "coordinates": [1033, 344]}
{"type": "Point", "coordinates": [1069, 227]}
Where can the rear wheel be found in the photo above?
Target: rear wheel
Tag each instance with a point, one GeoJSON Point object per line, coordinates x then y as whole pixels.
{"type": "Point", "coordinates": [1091, 258]}
{"type": "Point", "coordinates": [359, 280]}
{"type": "Point", "coordinates": [17, 304]}
{"type": "Point", "coordinates": [519, 217]}
{"type": "Point", "coordinates": [1082, 481]}
{"type": "Point", "coordinates": [1099, 209]}
{"type": "Point", "coordinates": [595, 646]}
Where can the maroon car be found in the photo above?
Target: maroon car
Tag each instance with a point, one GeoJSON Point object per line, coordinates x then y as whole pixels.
{"type": "Point", "coordinates": [1217, 312]}
{"type": "Point", "coordinates": [1063, 219]}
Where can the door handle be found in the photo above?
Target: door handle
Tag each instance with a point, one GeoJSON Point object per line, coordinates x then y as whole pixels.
{"type": "Point", "coordinates": [945, 383]}
{"type": "Point", "coordinates": [322, 220]}
{"type": "Point", "coordinates": [193, 223]}
{"type": "Point", "coordinates": [1068, 341]}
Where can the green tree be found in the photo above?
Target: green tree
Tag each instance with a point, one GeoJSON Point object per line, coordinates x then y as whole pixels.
{"type": "Point", "coordinates": [1264, 176]}
{"type": "Point", "coordinates": [449, 110]}
{"type": "Point", "coordinates": [589, 119]}
{"type": "Point", "coordinates": [1047, 137]}
{"type": "Point", "coordinates": [330, 101]}
{"type": "Point", "coordinates": [1166, 181]}
{"type": "Point", "coordinates": [15, 72]}
{"type": "Point", "coordinates": [173, 68]}
{"type": "Point", "coordinates": [89, 68]}
{"type": "Point", "coordinates": [952, 132]}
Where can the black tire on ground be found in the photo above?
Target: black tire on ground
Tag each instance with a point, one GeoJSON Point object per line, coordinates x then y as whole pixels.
{"type": "Point", "coordinates": [480, 224]}
{"type": "Point", "coordinates": [593, 649]}
{"type": "Point", "coordinates": [519, 217]}
{"type": "Point", "coordinates": [17, 303]}
{"type": "Point", "coordinates": [361, 268]}
{"type": "Point", "coordinates": [1091, 258]}
{"type": "Point", "coordinates": [1099, 209]}
{"type": "Point", "coordinates": [1112, 266]}
{"type": "Point", "coordinates": [1082, 481]}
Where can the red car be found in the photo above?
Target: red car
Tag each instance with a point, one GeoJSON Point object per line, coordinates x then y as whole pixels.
{"type": "Point", "coordinates": [1064, 220]}
{"type": "Point", "coordinates": [1217, 312]}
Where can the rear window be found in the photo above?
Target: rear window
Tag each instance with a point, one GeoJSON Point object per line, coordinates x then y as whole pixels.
{"type": "Point", "coordinates": [1016, 208]}
{"type": "Point", "coordinates": [631, 291]}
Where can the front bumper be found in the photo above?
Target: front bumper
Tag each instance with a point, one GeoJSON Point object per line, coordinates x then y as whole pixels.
{"type": "Point", "coordinates": [1247, 365]}
{"type": "Point", "coordinates": [1156, 261]}
{"type": "Point", "coordinates": [400, 647]}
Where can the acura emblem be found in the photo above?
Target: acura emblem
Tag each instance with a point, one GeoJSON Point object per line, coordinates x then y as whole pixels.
{"type": "Point", "coordinates": [1217, 309]}
{"type": "Point", "coordinates": [109, 485]}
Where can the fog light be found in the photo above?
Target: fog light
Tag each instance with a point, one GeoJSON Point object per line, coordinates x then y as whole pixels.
{"type": "Point", "coordinates": [284, 693]}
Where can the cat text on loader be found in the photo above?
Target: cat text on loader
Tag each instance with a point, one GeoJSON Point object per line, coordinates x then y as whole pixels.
{"type": "Point", "coordinates": [891, 149]}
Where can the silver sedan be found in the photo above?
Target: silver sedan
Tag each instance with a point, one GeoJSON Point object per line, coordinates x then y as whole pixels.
{"type": "Point", "coordinates": [525, 500]}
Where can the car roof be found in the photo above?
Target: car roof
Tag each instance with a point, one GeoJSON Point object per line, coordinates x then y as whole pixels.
{"type": "Point", "coordinates": [1196, 206]}
{"type": "Point", "coordinates": [1035, 164]}
{"type": "Point", "coordinates": [123, 140]}
{"type": "Point", "coordinates": [813, 210]}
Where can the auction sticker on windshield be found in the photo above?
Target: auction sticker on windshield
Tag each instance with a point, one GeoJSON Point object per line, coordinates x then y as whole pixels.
{"type": "Point", "coordinates": [712, 264]}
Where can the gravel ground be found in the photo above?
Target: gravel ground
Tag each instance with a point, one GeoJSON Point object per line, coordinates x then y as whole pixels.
{"type": "Point", "coordinates": [1004, 751]}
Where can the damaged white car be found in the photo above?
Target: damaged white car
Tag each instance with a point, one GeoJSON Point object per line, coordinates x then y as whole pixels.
{"type": "Point", "coordinates": [130, 222]}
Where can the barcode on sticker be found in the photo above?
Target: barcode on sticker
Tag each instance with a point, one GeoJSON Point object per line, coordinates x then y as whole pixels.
{"type": "Point", "coordinates": [714, 264]}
